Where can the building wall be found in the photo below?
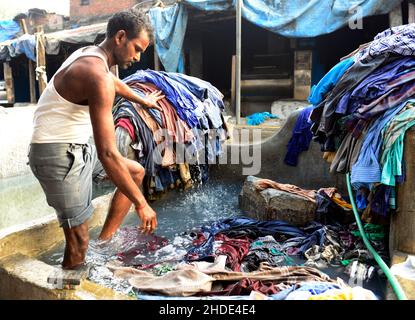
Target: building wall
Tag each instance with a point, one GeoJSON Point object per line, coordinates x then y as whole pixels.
{"type": "Point", "coordinates": [55, 22]}
{"type": "Point", "coordinates": [98, 7]}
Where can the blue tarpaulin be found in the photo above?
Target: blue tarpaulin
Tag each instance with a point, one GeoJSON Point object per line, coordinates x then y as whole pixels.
{"type": "Point", "coordinates": [170, 27]}
{"type": "Point", "coordinates": [290, 18]}
{"type": "Point", "coordinates": [8, 29]}
{"type": "Point", "coordinates": [211, 5]}
{"type": "Point", "coordinates": [23, 45]}
{"type": "Point", "coordinates": [301, 18]}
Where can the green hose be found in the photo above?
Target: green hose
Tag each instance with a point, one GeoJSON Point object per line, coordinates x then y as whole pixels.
{"type": "Point", "coordinates": [400, 294]}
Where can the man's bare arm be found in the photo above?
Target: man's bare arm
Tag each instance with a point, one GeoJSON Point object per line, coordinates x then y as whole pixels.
{"type": "Point", "coordinates": [126, 92]}
{"type": "Point", "coordinates": [101, 93]}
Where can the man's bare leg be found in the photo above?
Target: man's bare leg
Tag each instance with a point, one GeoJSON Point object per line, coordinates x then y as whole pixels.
{"type": "Point", "coordinates": [77, 239]}
{"type": "Point", "coordinates": [120, 204]}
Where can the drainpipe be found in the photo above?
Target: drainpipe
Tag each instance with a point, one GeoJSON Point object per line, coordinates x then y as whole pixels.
{"type": "Point", "coordinates": [238, 61]}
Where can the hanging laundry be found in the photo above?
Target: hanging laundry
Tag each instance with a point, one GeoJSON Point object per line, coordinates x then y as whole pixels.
{"type": "Point", "coordinates": [392, 148]}
{"type": "Point", "coordinates": [151, 155]}
{"type": "Point", "coordinates": [375, 85]}
{"type": "Point", "coordinates": [399, 40]}
{"type": "Point", "coordinates": [366, 169]}
{"type": "Point", "coordinates": [319, 91]}
{"type": "Point", "coordinates": [301, 137]}
{"type": "Point", "coordinates": [188, 107]}
{"type": "Point", "coordinates": [189, 129]}
{"type": "Point", "coordinates": [200, 88]}
{"type": "Point", "coordinates": [364, 117]}
{"type": "Point", "coordinates": [126, 124]}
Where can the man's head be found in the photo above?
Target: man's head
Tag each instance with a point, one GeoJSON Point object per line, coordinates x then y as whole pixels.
{"type": "Point", "coordinates": [131, 33]}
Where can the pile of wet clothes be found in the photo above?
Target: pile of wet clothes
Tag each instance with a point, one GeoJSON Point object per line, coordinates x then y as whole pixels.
{"type": "Point", "coordinates": [361, 110]}
{"type": "Point", "coordinates": [241, 258]}
{"type": "Point", "coordinates": [176, 145]}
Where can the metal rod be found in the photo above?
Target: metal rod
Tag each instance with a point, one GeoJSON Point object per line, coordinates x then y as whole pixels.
{"type": "Point", "coordinates": [238, 60]}
{"type": "Point", "coordinates": [233, 84]}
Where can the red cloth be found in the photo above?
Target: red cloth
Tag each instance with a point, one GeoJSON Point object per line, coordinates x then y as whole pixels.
{"type": "Point", "coordinates": [245, 286]}
{"type": "Point", "coordinates": [235, 249]}
{"type": "Point", "coordinates": [134, 242]}
{"type": "Point", "coordinates": [176, 127]}
{"type": "Point", "coordinates": [126, 124]}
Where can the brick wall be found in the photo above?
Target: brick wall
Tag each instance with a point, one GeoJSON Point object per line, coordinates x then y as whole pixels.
{"type": "Point", "coordinates": [97, 8]}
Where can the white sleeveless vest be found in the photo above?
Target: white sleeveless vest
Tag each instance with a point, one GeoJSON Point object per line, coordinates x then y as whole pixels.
{"type": "Point", "coordinates": [57, 120]}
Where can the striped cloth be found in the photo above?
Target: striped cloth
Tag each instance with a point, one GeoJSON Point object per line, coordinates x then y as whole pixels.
{"type": "Point", "coordinates": [399, 40]}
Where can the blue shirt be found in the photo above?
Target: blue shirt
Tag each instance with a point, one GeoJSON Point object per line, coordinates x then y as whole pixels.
{"type": "Point", "coordinates": [374, 85]}
{"type": "Point", "coordinates": [319, 90]}
{"type": "Point", "coordinates": [200, 88]}
{"type": "Point", "coordinates": [367, 169]}
{"type": "Point", "coordinates": [301, 138]}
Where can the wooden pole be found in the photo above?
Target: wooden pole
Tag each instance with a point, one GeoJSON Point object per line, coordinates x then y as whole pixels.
{"type": "Point", "coordinates": [8, 78]}
{"type": "Point", "coordinates": [41, 59]}
{"type": "Point", "coordinates": [32, 79]}
{"type": "Point", "coordinates": [238, 60]}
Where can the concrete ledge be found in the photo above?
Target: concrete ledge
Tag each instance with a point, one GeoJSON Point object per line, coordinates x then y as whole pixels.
{"type": "Point", "coordinates": [264, 157]}
{"type": "Point", "coordinates": [408, 286]}
{"type": "Point", "coordinates": [22, 277]}
{"type": "Point", "coordinates": [272, 204]}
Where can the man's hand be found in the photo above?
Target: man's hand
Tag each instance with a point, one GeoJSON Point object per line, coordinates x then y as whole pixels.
{"type": "Point", "coordinates": [150, 101]}
{"type": "Point", "coordinates": [148, 219]}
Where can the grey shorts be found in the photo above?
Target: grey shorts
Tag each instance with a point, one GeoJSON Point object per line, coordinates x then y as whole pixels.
{"type": "Point", "coordinates": [66, 173]}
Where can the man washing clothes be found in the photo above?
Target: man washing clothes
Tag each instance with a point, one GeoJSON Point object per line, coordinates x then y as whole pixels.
{"type": "Point", "coordinates": [77, 103]}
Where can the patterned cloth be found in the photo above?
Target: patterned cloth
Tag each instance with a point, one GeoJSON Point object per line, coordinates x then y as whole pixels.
{"type": "Point", "coordinates": [392, 149]}
{"type": "Point", "coordinates": [265, 249]}
{"type": "Point", "coordinates": [399, 40]}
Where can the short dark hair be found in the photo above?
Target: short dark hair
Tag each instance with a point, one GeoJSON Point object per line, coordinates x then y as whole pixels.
{"type": "Point", "coordinates": [133, 21]}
